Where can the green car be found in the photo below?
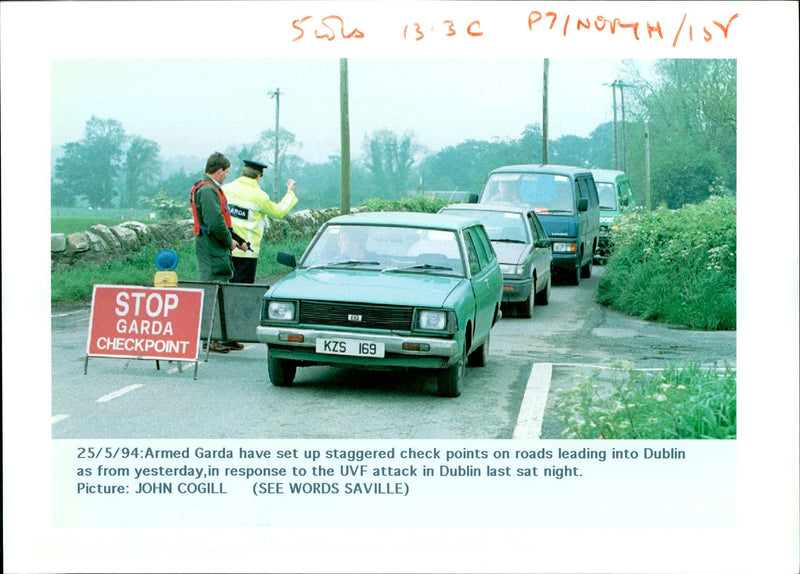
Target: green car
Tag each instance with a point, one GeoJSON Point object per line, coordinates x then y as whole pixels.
{"type": "Point", "coordinates": [616, 197]}
{"type": "Point", "coordinates": [386, 291]}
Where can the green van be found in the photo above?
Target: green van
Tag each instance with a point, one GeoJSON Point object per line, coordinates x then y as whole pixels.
{"type": "Point", "coordinates": [565, 199]}
{"type": "Point", "coordinates": [616, 197]}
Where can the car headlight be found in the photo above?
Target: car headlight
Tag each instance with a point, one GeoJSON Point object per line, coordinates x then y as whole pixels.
{"type": "Point", "coordinates": [511, 270]}
{"type": "Point", "coordinates": [432, 320]}
{"type": "Point", "coordinates": [559, 247]}
{"type": "Point", "coordinates": [281, 310]}
{"type": "Point", "coordinates": [435, 320]}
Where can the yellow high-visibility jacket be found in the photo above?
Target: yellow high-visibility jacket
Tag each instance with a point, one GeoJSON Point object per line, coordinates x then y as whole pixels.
{"type": "Point", "coordinates": [249, 206]}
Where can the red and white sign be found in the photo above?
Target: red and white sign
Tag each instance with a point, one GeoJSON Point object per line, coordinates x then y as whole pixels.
{"type": "Point", "coordinates": [145, 322]}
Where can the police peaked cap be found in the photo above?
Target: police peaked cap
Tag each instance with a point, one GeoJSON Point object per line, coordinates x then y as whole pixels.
{"type": "Point", "coordinates": [255, 165]}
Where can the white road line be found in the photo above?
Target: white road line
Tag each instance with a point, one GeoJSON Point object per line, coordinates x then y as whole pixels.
{"type": "Point", "coordinates": [58, 418]}
{"type": "Point", "coordinates": [531, 411]}
{"type": "Point", "coordinates": [119, 393]}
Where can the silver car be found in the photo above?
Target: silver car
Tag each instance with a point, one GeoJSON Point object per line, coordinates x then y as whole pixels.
{"type": "Point", "coordinates": [523, 250]}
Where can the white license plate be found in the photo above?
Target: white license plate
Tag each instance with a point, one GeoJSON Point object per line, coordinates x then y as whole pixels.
{"type": "Point", "coordinates": [350, 347]}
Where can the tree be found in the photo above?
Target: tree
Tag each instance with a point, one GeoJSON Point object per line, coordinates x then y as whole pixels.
{"type": "Point", "coordinates": [691, 109]}
{"type": "Point", "coordinates": [142, 167]}
{"type": "Point", "coordinates": [320, 184]}
{"type": "Point", "coordinates": [464, 167]}
{"type": "Point", "coordinates": [286, 141]}
{"type": "Point", "coordinates": [72, 177]}
{"type": "Point", "coordinates": [570, 150]}
{"type": "Point", "coordinates": [237, 154]}
{"type": "Point", "coordinates": [530, 145]}
{"type": "Point", "coordinates": [600, 146]}
{"type": "Point", "coordinates": [177, 184]}
{"type": "Point", "coordinates": [171, 200]}
{"type": "Point", "coordinates": [91, 166]}
{"type": "Point", "coordinates": [389, 158]}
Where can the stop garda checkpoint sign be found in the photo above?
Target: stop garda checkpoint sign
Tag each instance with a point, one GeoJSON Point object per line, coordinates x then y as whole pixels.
{"type": "Point", "coordinates": [145, 322]}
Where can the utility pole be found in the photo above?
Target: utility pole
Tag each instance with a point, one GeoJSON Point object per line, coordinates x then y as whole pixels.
{"type": "Point", "coordinates": [545, 118]}
{"type": "Point", "coordinates": [647, 201]}
{"type": "Point", "coordinates": [276, 95]}
{"type": "Point", "coordinates": [344, 110]}
{"type": "Point", "coordinates": [614, 85]}
{"type": "Point", "coordinates": [614, 104]}
{"type": "Point", "coordinates": [616, 145]}
{"type": "Point", "coordinates": [624, 144]}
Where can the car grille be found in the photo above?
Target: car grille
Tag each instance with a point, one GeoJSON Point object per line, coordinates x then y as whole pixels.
{"type": "Point", "coordinates": [345, 314]}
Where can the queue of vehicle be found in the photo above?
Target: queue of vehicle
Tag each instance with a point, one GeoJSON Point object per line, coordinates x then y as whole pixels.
{"type": "Point", "coordinates": [397, 290]}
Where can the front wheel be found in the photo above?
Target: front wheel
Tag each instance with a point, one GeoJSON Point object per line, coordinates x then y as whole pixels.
{"type": "Point", "coordinates": [281, 371]}
{"type": "Point", "coordinates": [525, 308]}
{"type": "Point", "coordinates": [574, 276]}
{"type": "Point", "coordinates": [450, 379]}
{"type": "Point", "coordinates": [586, 270]}
{"type": "Point", "coordinates": [480, 356]}
{"type": "Point", "coordinates": [543, 296]}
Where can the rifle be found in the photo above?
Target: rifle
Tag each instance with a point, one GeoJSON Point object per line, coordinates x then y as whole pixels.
{"type": "Point", "coordinates": [240, 240]}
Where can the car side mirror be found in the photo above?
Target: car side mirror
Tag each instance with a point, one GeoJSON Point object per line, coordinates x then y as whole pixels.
{"type": "Point", "coordinates": [286, 259]}
{"type": "Point", "coordinates": [473, 198]}
{"type": "Point", "coordinates": [583, 204]}
{"type": "Point", "coordinates": [543, 243]}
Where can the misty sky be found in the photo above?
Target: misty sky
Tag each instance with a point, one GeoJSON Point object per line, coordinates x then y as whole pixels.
{"type": "Point", "coordinates": [193, 107]}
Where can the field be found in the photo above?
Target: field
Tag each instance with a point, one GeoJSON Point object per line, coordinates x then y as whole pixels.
{"type": "Point", "coordinates": [68, 220]}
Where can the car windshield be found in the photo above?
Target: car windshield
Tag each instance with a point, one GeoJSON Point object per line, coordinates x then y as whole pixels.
{"type": "Point", "coordinates": [386, 249]}
{"type": "Point", "coordinates": [503, 226]}
{"type": "Point", "coordinates": [607, 195]}
{"type": "Point", "coordinates": [547, 193]}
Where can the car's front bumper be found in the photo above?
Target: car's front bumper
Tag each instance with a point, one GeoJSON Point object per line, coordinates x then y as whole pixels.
{"type": "Point", "coordinates": [515, 290]}
{"type": "Point", "coordinates": [566, 261]}
{"type": "Point", "coordinates": [437, 353]}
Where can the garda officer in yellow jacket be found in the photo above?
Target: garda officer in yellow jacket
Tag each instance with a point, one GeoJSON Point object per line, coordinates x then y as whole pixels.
{"type": "Point", "coordinates": [250, 206]}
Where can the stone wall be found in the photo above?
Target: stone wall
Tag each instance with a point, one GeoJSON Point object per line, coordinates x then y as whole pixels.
{"type": "Point", "coordinates": [299, 224]}
{"type": "Point", "coordinates": [101, 244]}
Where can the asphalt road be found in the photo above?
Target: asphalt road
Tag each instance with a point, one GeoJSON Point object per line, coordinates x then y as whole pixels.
{"type": "Point", "coordinates": [530, 359]}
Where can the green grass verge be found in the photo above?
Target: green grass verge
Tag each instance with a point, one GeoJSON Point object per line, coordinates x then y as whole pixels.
{"type": "Point", "coordinates": [676, 267]}
{"type": "Point", "coordinates": [677, 403]}
{"type": "Point", "coordinates": [76, 284]}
